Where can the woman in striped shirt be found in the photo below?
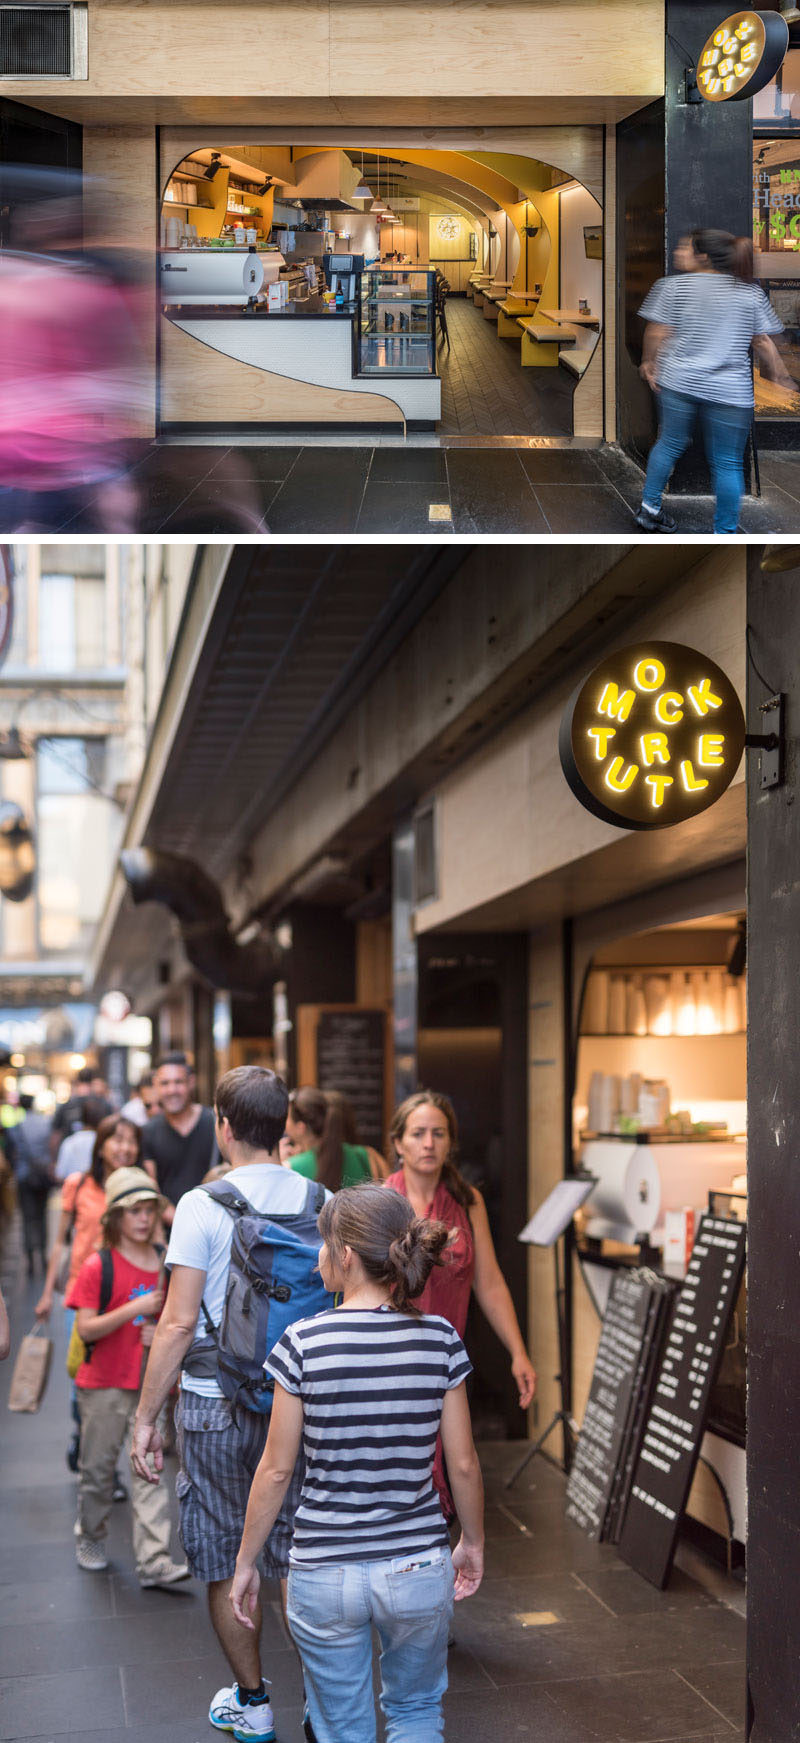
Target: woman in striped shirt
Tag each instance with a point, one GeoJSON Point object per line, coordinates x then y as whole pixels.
{"type": "Point", "coordinates": [367, 1387]}
{"type": "Point", "coordinates": [702, 323]}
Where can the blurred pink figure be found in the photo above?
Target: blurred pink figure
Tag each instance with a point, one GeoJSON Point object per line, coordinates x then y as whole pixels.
{"type": "Point", "coordinates": [70, 369]}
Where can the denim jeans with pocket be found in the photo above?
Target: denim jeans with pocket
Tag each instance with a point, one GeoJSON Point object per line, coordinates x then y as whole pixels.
{"type": "Point", "coordinates": [725, 430]}
{"type": "Point", "coordinates": [332, 1611]}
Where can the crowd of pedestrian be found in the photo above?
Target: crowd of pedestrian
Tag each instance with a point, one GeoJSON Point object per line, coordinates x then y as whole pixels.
{"type": "Point", "coordinates": [305, 1310]}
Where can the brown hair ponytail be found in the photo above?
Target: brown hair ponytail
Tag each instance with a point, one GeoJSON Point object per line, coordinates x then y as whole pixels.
{"type": "Point", "coordinates": [326, 1117]}
{"type": "Point", "coordinates": [396, 1248]}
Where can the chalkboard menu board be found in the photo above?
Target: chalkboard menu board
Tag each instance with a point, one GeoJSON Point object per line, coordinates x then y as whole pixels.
{"type": "Point", "coordinates": [633, 1329]}
{"type": "Point", "coordinates": [351, 1049]}
{"type": "Point", "coordinates": [663, 1472]}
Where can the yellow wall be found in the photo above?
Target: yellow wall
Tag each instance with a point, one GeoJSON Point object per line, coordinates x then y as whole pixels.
{"type": "Point", "coordinates": [441, 247]}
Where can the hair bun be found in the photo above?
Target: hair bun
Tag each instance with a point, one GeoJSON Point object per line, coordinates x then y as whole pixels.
{"type": "Point", "coordinates": [413, 1255]}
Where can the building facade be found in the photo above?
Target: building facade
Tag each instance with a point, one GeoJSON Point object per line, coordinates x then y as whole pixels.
{"type": "Point", "coordinates": [92, 630]}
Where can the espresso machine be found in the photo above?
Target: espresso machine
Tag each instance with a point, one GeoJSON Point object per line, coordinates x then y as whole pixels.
{"type": "Point", "coordinates": [342, 273]}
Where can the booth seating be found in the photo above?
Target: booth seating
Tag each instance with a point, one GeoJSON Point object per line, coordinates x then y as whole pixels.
{"type": "Point", "coordinates": [482, 289]}
{"type": "Point", "coordinates": [475, 284]}
{"type": "Point", "coordinates": [586, 327]}
{"type": "Point", "coordinates": [543, 341]}
{"type": "Point", "coordinates": [492, 298]}
{"type": "Point", "coordinates": [511, 308]}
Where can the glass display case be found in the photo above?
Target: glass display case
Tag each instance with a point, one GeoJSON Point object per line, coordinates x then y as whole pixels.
{"type": "Point", "coordinates": [397, 322]}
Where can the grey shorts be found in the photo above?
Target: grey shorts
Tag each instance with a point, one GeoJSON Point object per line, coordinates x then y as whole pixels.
{"type": "Point", "coordinates": [219, 1455]}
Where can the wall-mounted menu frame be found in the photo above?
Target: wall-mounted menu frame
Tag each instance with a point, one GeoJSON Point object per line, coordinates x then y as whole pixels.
{"type": "Point", "coordinates": [665, 1466]}
{"type": "Point", "coordinates": [344, 1047]}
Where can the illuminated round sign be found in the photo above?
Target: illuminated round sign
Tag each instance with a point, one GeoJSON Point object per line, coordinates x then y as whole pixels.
{"type": "Point", "coordinates": [654, 736]}
{"type": "Point", "coordinates": [742, 55]}
{"type": "Point", "coordinates": [448, 228]}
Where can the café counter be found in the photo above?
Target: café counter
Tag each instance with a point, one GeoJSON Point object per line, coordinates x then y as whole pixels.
{"type": "Point", "coordinates": [306, 363]}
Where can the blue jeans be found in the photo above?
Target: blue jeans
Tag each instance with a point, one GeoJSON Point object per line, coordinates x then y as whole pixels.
{"type": "Point", "coordinates": [331, 1612]}
{"type": "Point", "coordinates": [725, 429]}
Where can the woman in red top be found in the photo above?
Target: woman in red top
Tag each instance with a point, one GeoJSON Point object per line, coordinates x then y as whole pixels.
{"type": "Point", "coordinates": [425, 1136]}
{"type": "Point", "coordinates": [117, 1335]}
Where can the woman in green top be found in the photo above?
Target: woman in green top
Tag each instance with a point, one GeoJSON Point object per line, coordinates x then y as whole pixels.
{"type": "Point", "coordinates": [320, 1124]}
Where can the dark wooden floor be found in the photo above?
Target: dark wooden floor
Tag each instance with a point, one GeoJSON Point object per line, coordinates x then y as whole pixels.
{"type": "Point", "coordinates": [485, 390]}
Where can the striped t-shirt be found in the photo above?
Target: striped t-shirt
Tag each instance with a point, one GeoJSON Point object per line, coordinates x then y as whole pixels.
{"type": "Point", "coordinates": [714, 318]}
{"type": "Point", "coordinates": [372, 1382]}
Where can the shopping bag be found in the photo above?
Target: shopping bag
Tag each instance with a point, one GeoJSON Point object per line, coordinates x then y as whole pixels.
{"type": "Point", "coordinates": [31, 1369]}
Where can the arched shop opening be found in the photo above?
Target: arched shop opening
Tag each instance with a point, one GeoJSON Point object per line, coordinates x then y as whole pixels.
{"type": "Point", "coordinates": [659, 1118]}
{"type": "Point", "coordinates": [465, 295]}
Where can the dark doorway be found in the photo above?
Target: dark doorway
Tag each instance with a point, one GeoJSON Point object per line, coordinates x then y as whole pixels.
{"type": "Point", "coordinates": [640, 261]}
{"type": "Point", "coordinates": [472, 1045]}
{"type": "Point", "coordinates": [29, 136]}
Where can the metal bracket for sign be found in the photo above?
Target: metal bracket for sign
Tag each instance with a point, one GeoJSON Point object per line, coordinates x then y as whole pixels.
{"type": "Point", "coordinates": [770, 743]}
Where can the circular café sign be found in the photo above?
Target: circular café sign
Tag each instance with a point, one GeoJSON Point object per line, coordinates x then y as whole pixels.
{"type": "Point", "coordinates": [742, 55]}
{"type": "Point", "coordinates": [653, 736]}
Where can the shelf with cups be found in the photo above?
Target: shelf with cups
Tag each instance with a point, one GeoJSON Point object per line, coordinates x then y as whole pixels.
{"type": "Point", "coordinates": [663, 1003]}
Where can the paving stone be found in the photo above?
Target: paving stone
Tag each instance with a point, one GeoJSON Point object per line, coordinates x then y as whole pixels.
{"type": "Point", "coordinates": [95, 1654]}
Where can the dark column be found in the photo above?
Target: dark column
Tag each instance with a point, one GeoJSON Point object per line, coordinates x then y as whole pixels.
{"type": "Point", "coordinates": [640, 261]}
{"type": "Point", "coordinates": [709, 163]}
{"type": "Point", "coordinates": [203, 1041]}
{"type": "Point", "coordinates": [773, 1078]}
{"type": "Point", "coordinates": [709, 172]}
{"type": "Point", "coordinates": [322, 962]}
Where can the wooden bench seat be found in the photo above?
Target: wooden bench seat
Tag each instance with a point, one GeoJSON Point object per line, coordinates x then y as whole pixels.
{"type": "Point", "coordinates": [542, 341]}
{"type": "Point", "coordinates": [509, 311]}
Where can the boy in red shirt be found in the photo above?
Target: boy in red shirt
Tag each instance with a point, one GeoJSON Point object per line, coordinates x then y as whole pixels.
{"type": "Point", "coordinates": [109, 1380]}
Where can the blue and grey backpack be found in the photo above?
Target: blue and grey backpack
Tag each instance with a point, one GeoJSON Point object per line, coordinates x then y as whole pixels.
{"type": "Point", "coordinates": [272, 1281]}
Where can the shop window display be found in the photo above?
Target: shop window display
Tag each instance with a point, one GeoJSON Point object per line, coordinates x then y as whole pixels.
{"type": "Point", "coordinates": [776, 224]}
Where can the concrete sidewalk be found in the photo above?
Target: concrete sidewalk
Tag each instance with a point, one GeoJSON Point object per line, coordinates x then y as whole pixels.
{"type": "Point", "coordinates": [563, 1643]}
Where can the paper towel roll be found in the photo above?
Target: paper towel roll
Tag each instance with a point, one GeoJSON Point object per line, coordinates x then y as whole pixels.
{"type": "Point", "coordinates": [628, 1190]}
{"type": "Point", "coordinates": [209, 276]}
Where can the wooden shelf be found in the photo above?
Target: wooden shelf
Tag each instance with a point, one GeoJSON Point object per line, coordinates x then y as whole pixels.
{"type": "Point", "coordinates": [631, 1035]}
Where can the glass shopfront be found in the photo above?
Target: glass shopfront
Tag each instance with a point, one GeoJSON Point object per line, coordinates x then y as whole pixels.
{"type": "Point", "coordinates": [776, 230]}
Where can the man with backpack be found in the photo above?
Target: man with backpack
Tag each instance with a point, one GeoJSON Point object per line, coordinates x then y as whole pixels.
{"type": "Point", "coordinates": [28, 1145]}
{"type": "Point", "coordinates": [242, 1259]}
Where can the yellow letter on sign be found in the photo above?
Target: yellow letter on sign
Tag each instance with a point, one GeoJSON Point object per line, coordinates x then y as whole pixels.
{"type": "Point", "coordinates": [649, 675]}
{"type": "Point", "coordinates": [616, 705]}
{"type": "Point", "coordinates": [710, 747]}
{"type": "Point", "coordinates": [669, 707]}
{"type": "Point", "coordinates": [702, 697]}
{"type": "Point", "coordinates": [690, 779]}
{"type": "Point", "coordinates": [657, 785]}
{"type": "Point", "coordinates": [601, 736]}
{"type": "Point", "coordinates": [652, 745]}
{"type": "Point", "coordinates": [621, 782]}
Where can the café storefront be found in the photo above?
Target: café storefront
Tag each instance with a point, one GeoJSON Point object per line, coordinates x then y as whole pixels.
{"type": "Point", "coordinates": [491, 149]}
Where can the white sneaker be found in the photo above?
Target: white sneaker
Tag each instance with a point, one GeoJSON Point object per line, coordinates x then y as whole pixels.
{"type": "Point", "coordinates": [251, 1723]}
{"type": "Point", "coordinates": [165, 1573]}
{"type": "Point", "coordinates": [90, 1555]}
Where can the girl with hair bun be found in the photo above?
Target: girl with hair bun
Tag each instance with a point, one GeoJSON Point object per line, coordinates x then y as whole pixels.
{"type": "Point", "coordinates": [367, 1387]}
{"type": "Point", "coordinates": [425, 1136]}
